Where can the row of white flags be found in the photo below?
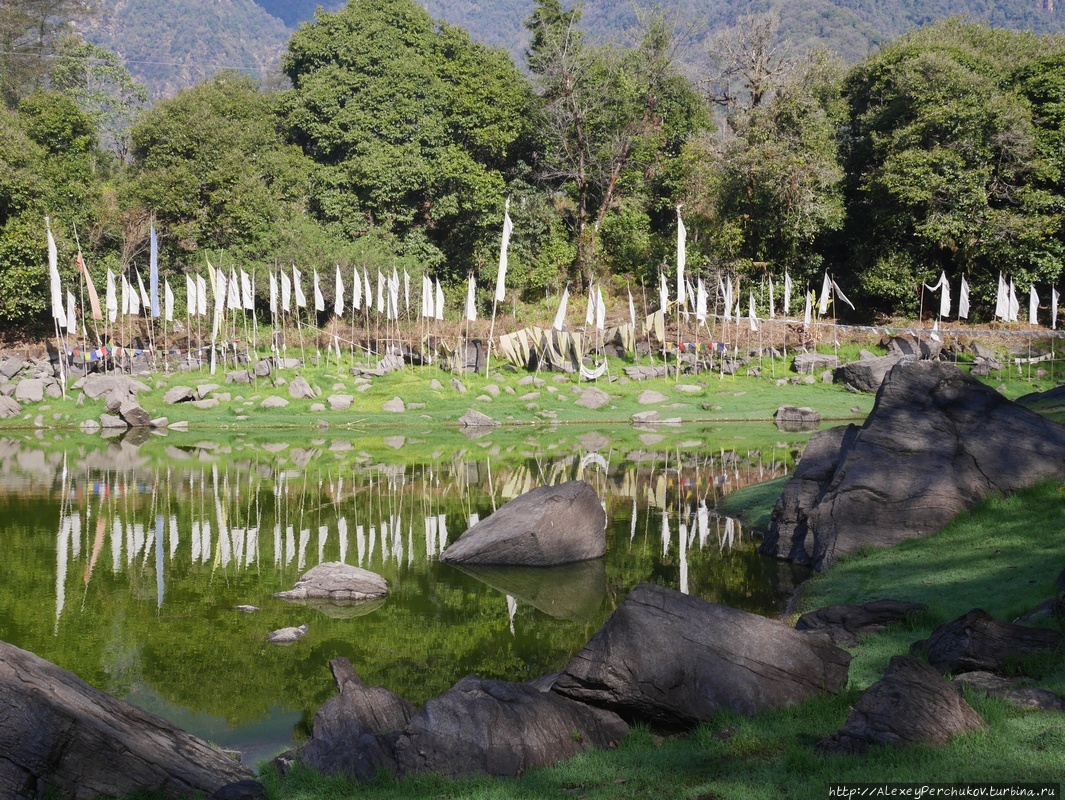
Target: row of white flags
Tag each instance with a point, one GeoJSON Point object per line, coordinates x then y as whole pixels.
{"type": "Point", "coordinates": [236, 293]}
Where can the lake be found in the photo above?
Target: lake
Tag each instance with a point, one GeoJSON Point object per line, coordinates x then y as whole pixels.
{"type": "Point", "coordinates": [124, 560]}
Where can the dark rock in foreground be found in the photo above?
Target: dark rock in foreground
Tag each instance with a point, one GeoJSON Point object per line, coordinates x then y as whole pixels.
{"type": "Point", "coordinates": [674, 661]}
{"type": "Point", "coordinates": [549, 526]}
{"type": "Point", "coordinates": [978, 642]}
{"type": "Point", "coordinates": [867, 374]}
{"type": "Point", "coordinates": [844, 624]}
{"type": "Point", "coordinates": [59, 734]}
{"type": "Point", "coordinates": [936, 442]}
{"type": "Point", "coordinates": [911, 704]}
{"type": "Point", "coordinates": [1018, 692]}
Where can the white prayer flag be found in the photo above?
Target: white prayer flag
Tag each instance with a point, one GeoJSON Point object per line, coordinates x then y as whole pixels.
{"type": "Point", "coordinates": [319, 300]}
{"type": "Point", "coordinates": [221, 290]}
{"type": "Point", "coordinates": [787, 294]}
{"type": "Point", "coordinates": [589, 314]}
{"type": "Point", "coordinates": [338, 303]}
{"type": "Point", "coordinates": [663, 293]}
{"type": "Point", "coordinates": [125, 296]}
{"type": "Point", "coordinates": [111, 297]}
{"type": "Point", "coordinates": [700, 302]}
{"type": "Point", "coordinates": [356, 290]}
{"type": "Point", "coordinates": [427, 298]}
{"type": "Point", "coordinates": [501, 276]}
{"type": "Point", "coordinates": [168, 301]}
{"type": "Point", "coordinates": [392, 286]}
{"type": "Point", "coordinates": [201, 296]}
{"type": "Point", "coordinates": [146, 303]}
{"type": "Point", "coordinates": [751, 314]}
{"type": "Point", "coordinates": [560, 315]}
{"type": "Point", "coordinates": [806, 316]}
{"type": "Point", "coordinates": [367, 292]}
{"type": "Point", "coordinates": [963, 301]}
{"type": "Point", "coordinates": [1014, 306]}
{"type": "Point", "coordinates": [380, 293]}
{"type": "Point", "coordinates": [682, 238]}
{"type": "Point", "coordinates": [772, 300]}
{"type": "Point", "coordinates": [727, 295]}
{"type": "Point", "coordinates": [153, 272]}
{"type": "Point", "coordinates": [826, 293]}
{"type": "Point", "coordinates": [190, 295]}
{"type": "Point", "coordinates": [1002, 302]}
{"type": "Point", "coordinates": [439, 300]}
{"type": "Point", "coordinates": [1054, 309]}
{"type": "Point", "coordinates": [406, 290]}
{"type": "Point", "coordinates": [632, 312]}
{"type": "Point", "coordinates": [1033, 305]}
{"type": "Point", "coordinates": [934, 335]}
{"type": "Point", "coordinates": [247, 296]}
{"type": "Point", "coordinates": [233, 300]}
{"type": "Point", "coordinates": [273, 294]}
{"type": "Point", "coordinates": [944, 297]}
{"type": "Point", "coordinates": [297, 289]}
{"type": "Point", "coordinates": [286, 292]}
{"type": "Point", "coordinates": [600, 309]}
{"type": "Point", "coordinates": [471, 303]}
{"type": "Point", "coordinates": [840, 295]}
{"type": "Point", "coordinates": [71, 314]}
{"type": "Point", "coordinates": [134, 301]}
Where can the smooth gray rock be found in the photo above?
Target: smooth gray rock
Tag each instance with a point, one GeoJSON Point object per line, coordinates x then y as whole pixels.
{"type": "Point", "coordinates": [340, 402]}
{"type": "Point", "coordinates": [134, 415]}
{"type": "Point", "coordinates": [335, 581]}
{"type": "Point", "coordinates": [867, 374]}
{"type": "Point", "coordinates": [549, 526]}
{"type": "Point", "coordinates": [674, 661]}
{"type": "Point", "coordinates": [1019, 692]}
{"type": "Point", "coordinates": [646, 417]}
{"type": "Point", "coordinates": [179, 394]}
{"type": "Point", "coordinates": [9, 407]}
{"type": "Point", "coordinates": [206, 403]}
{"type": "Point", "coordinates": [58, 734]}
{"type": "Point", "coordinates": [11, 366]}
{"type": "Point", "coordinates": [287, 635]}
{"type": "Point", "coordinates": [911, 704]}
{"type": "Point", "coordinates": [649, 397]}
{"type": "Point", "coordinates": [395, 405]}
{"type": "Point", "coordinates": [273, 402]}
{"type": "Point", "coordinates": [936, 442]}
{"type": "Point", "coordinates": [593, 398]}
{"type": "Point", "coordinates": [263, 368]}
{"type": "Point", "coordinates": [299, 389]}
{"type": "Point", "coordinates": [97, 385]}
{"type": "Point", "coordinates": [476, 419]}
{"type": "Point", "coordinates": [238, 376]}
{"type": "Point", "coordinates": [458, 386]}
{"type": "Point", "coordinates": [809, 363]}
{"type": "Point", "coordinates": [112, 422]}
{"type": "Point", "coordinates": [795, 419]}
{"type": "Point", "coordinates": [29, 390]}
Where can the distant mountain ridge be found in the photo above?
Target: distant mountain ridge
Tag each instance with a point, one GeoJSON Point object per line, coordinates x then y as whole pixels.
{"type": "Point", "coordinates": [173, 45]}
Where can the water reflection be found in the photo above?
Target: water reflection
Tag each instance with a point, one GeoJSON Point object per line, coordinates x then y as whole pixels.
{"type": "Point", "coordinates": [126, 568]}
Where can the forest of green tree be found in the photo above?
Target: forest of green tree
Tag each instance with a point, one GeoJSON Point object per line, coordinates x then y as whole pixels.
{"type": "Point", "coordinates": [395, 140]}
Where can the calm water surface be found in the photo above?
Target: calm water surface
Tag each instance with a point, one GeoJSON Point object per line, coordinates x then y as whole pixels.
{"type": "Point", "coordinates": [124, 564]}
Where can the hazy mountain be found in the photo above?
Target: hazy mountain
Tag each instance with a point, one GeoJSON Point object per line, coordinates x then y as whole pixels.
{"type": "Point", "coordinates": [178, 43]}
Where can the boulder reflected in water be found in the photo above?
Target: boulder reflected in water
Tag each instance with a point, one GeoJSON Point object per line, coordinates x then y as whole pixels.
{"type": "Point", "coordinates": [573, 591]}
{"type": "Point", "coordinates": [342, 609]}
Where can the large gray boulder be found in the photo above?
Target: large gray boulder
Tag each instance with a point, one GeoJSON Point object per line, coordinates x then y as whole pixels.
{"type": "Point", "coordinates": [29, 390]}
{"type": "Point", "coordinates": [867, 374]}
{"type": "Point", "coordinates": [674, 661]}
{"type": "Point", "coordinates": [911, 704]}
{"type": "Point", "coordinates": [936, 442]}
{"type": "Point", "coordinates": [549, 526]}
{"type": "Point", "coordinates": [335, 581]}
{"type": "Point", "coordinates": [97, 385]}
{"type": "Point", "coordinates": [9, 407]}
{"type": "Point", "coordinates": [58, 734]}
